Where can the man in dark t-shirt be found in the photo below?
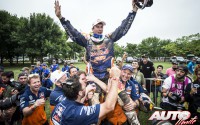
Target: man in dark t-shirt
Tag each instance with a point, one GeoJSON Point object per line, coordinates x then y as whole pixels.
{"type": "Point", "coordinates": [146, 67]}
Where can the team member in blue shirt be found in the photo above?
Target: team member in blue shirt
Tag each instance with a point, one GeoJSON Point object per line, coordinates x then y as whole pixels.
{"type": "Point", "coordinates": [46, 82]}
{"type": "Point", "coordinates": [54, 66]}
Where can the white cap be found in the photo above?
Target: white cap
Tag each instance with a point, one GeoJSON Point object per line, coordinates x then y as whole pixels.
{"type": "Point", "coordinates": [98, 21]}
{"type": "Point", "coordinates": [56, 75]}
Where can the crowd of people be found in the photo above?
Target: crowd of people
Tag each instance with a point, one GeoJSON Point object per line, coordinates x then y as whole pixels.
{"type": "Point", "coordinates": [74, 98]}
{"type": "Point", "coordinates": [106, 93]}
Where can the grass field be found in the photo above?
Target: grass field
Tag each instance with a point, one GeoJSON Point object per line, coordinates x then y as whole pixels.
{"type": "Point", "coordinates": [142, 116]}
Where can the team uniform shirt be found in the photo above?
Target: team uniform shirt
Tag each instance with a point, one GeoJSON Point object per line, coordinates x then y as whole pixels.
{"type": "Point", "coordinates": [38, 70]}
{"type": "Point", "coordinates": [54, 67]}
{"type": "Point", "coordinates": [56, 97]}
{"type": "Point", "coordinates": [170, 85]}
{"type": "Point", "coordinates": [65, 68]}
{"type": "Point", "coordinates": [138, 87]}
{"type": "Point", "coordinates": [99, 53]}
{"type": "Point", "coordinates": [46, 82]}
{"type": "Point", "coordinates": [27, 99]}
{"type": "Point", "coordinates": [73, 113]}
{"type": "Point", "coordinates": [131, 90]}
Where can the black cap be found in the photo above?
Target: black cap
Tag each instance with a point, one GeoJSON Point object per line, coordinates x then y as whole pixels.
{"type": "Point", "coordinates": [144, 56]}
{"type": "Point", "coordinates": [175, 62]}
{"type": "Point", "coordinates": [184, 68]}
{"type": "Point", "coordinates": [22, 74]}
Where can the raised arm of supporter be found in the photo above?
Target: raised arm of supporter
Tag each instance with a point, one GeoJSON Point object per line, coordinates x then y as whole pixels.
{"type": "Point", "coordinates": [111, 98]}
{"type": "Point", "coordinates": [92, 78]}
{"type": "Point", "coordinates": [29, 110]}
{"type": "Point", "coordinates": [88, 89]}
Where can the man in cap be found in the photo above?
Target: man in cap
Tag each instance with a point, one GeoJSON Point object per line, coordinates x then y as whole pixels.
{"type": "Point", "coordinates": [32, 102]}
{"type": "Point", "coordinates": [54, 66]}
{"type": "Point", "coordinates": [124, 109]}
{"type": "Point", "coordinates": [173, 89]}
{"type": "Point", "coordinates": [32, 70]}
{"type": "Point", "coordinates": [147, 68]}
{"type": "Point", "coordinates": [57, 95]}
{"type": "Point", "coordinates": [46, 82]}
{"type": "Point", "coordinates": [99, 47]}
{"type": "Point", "coordinates": [25, 69]}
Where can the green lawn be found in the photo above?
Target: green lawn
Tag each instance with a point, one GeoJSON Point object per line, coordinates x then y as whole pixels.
{"type": "Point", "coordinates": [142, 116]}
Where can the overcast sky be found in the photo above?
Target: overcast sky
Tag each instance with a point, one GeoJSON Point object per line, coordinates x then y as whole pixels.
{"type": "Point", "coordinates": [166, 19]}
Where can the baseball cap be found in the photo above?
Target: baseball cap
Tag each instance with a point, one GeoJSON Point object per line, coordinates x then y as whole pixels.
{"type": "Point", "coordinates": [144, 56]}
{"type": "Point", "coordinates": [127, 66]}
{"type": "Point", "coordinates": [175, 62]}
{"type": "Point", "coordinates": [1, 69]}
{"type": "Point", "coordinates": [56, 75]}
{"type": "Point", "coordinates": [22, 74]}
{"type": "Point", "coordinates": [24, 68]}
{"type": "Point", "coordinates": [97, 22]}
{"type": "Point", "coordinates": [44, 64]}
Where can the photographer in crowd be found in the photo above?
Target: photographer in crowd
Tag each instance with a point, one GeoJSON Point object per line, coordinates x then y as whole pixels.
{"type": "Point", "coordinates": [192, 96]}
{"type": "Point", "coordinates": [173, 90]}
{"type": "Point", "coordinates": [9, 90]}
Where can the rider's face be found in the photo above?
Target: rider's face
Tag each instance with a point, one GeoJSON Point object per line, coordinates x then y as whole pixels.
{"type": "Point", "coordinates": [98, 29]}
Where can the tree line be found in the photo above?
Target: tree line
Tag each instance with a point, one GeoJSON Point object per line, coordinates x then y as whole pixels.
{"type": "Point", "coordinates": [38, 36]}
{"type": "Point", "coordinates": [156, 47]}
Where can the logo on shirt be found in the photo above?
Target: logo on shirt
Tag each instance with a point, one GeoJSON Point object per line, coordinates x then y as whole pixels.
{"type": "Point", "coordinates": [57, 115]}
{"type": "Point", "coordinates": [30, 97]}
{"type": "Point", "coordinates": [41, 95]}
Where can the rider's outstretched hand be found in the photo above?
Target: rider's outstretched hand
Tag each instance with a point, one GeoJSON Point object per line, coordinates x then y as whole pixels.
{"type": "Point", "coordinates": [134, 6]}
{"type": "Point", "coordinates": [58, 9]}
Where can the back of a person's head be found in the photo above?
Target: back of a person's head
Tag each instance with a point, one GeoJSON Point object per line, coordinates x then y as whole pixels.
{"type": "Point", "coordinates": [71, 88]}
{"type": "Point", "coordinates": [81, 72]}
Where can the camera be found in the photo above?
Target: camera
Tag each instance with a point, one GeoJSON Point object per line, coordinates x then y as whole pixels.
{"type": "Point", "coordinates": [174, 98]}
{"type": "Point", "coordinates": [143, 3]}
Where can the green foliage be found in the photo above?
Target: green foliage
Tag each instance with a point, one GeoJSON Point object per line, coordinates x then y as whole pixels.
{"type": "Point", "coordinates": [118, 50]}
{"type": "Point", "coordinates": [8, 25]}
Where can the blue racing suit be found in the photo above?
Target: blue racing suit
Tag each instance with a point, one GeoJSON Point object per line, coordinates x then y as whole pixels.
{"type": "Point", "coordinates": [99, 54]}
